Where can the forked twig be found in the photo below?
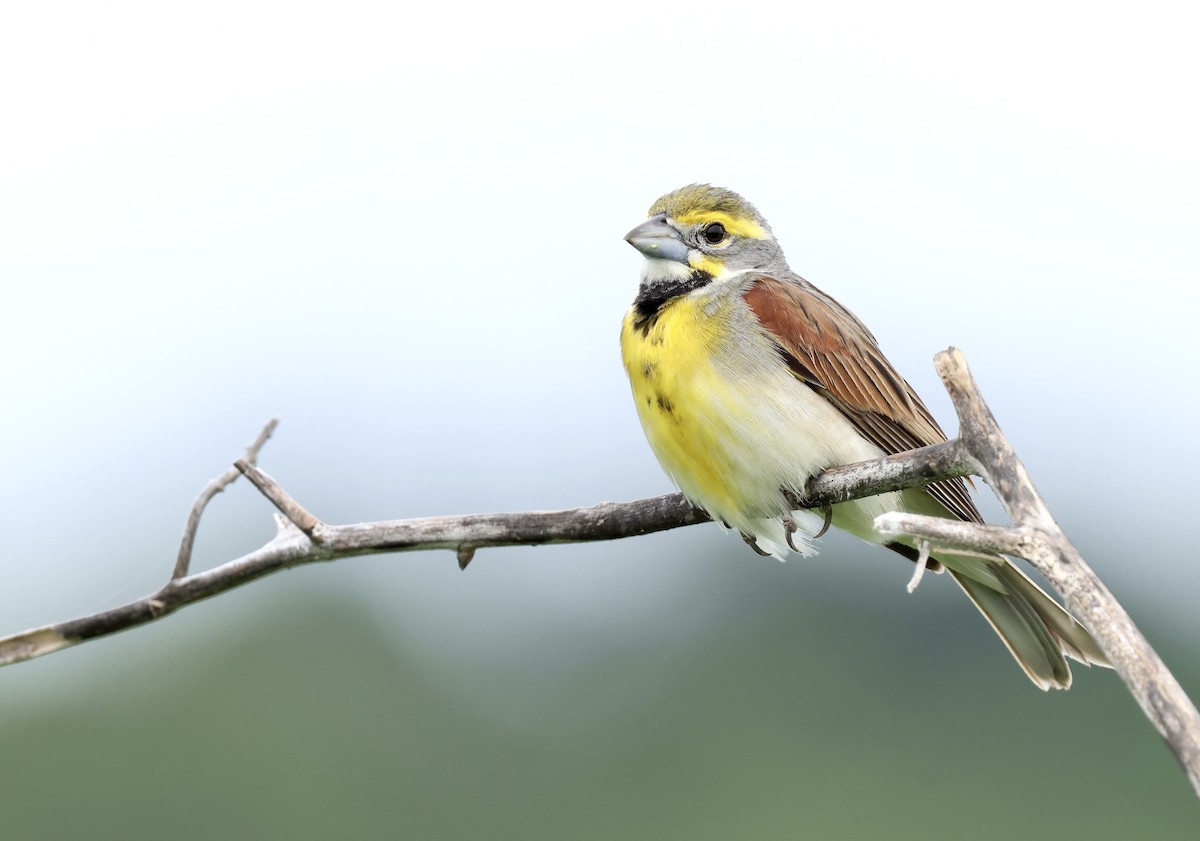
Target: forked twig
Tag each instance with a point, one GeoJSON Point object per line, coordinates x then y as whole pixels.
{"type": "Point", "coordinates": [184, 559]}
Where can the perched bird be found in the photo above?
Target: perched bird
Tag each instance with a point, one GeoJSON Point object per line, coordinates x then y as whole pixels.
{"type": "Point", "coordinates": [749, 380]}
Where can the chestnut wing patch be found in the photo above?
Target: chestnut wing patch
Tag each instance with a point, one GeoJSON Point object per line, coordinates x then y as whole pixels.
{"type": "Point", "coordinates": [831, 351]}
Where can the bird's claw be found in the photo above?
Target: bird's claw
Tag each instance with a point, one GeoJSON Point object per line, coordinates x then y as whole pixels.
{"type": "Point", "coordinates": [752, 542]}
{"type": "Point", "coordinates": [827, 513]}
{"type": "Point", "coordinates": [790, 528]}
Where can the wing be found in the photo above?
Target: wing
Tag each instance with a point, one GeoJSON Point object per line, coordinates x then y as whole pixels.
{"type": "Point", "coordinates": [830, 350]}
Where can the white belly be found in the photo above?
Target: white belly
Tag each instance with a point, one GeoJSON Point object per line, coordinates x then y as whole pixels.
{"type": "Point", "coordinates": [781, 433]}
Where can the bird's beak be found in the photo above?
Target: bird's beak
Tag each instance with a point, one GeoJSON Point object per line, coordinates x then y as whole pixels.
{"type": "Point", "coordinates": [656, 239]}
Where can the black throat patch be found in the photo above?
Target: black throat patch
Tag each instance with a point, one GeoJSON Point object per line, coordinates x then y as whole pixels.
{"type": "Point", "coordinates": [651, 298]}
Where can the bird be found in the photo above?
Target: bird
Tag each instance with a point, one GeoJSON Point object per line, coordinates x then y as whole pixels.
{"type": "Point", "coordinates": [748, 380]}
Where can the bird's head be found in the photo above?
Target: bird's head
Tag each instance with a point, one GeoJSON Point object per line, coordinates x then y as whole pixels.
{"type": "Point", "coordinates": [705, 231]}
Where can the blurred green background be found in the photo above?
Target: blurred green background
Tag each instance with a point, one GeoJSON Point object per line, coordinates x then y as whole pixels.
{"type": "Point", "coordinates": [805, 703]}
{"type": "Point", "coordinates": [399, 230]}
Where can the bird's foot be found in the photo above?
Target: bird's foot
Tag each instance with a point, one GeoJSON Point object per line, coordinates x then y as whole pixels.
{"type": "Point", "coordinates": [799, 503]}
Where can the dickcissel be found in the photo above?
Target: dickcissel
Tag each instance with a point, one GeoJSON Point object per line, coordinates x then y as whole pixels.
{"type": "Point", "coordinates": [749, 380]}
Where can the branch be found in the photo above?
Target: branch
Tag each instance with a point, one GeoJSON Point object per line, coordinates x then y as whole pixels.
{"type": "Point", "coordinates": [1036, 537]}
{"type": "Point", "coordinates": [980, 450]}
{"type": "Point", "coordinates": [303, 539]}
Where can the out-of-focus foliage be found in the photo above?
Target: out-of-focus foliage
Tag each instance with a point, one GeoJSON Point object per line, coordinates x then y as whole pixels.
{"type": "Point", "coordinates": [817, 702]}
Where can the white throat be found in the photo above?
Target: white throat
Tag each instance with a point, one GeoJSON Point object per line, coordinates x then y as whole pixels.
{"type": "Point", "coordinates": [657, 270]}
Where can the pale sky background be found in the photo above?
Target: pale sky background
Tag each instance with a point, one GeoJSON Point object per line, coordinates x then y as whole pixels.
{"type": "Point", "coordinates": [399, 229]}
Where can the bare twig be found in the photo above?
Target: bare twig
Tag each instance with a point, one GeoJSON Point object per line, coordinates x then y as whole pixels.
{"type": "Point", "coordinates": [184, 559]}
{"type": "Point", "coordinates": [280, 498]}
{"type": "Point", "coordinates": [956, 534]}
{"type": "Point", "coordinates": [310, 541]}
{"type": "Point", "coordinates": [920, 567]}
{"type": "Point", "coordinates": [950, 460]}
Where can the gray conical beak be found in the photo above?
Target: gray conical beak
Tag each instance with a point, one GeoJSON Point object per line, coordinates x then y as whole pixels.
{"type": "Point", "coordinates": [656, 239]}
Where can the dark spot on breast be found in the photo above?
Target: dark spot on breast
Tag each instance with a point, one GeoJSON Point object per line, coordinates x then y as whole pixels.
{"type": "Point", "coordinates": [648, 370]}
{"type": "Point", "coordinates": [665, 404]}
{"type": "Point", "coordinates": [657, 338]}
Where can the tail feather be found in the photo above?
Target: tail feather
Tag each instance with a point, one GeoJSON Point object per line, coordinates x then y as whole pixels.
{"type": "Point", "coordinates": [1034, 628]}
{"type": "Point", "coordinates": [1075, 640]}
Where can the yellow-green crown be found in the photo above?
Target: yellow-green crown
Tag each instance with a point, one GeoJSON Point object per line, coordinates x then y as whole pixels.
{"type": "Point", "coordinates": [697, 203]}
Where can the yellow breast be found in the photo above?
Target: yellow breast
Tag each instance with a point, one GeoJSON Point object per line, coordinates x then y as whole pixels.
{"type": "Point", "coordinates": [684, 403]}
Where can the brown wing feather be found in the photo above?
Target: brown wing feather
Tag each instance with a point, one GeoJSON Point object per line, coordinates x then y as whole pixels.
{"type": "Point", "coordinates": [830, 350]}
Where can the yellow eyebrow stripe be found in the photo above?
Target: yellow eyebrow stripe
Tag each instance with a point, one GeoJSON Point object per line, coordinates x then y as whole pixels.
{"type": "Point", "coordinates": [739, 226]}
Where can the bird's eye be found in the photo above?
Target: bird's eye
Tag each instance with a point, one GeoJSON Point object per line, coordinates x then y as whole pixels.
{"type": "Point", "coordinates": [713, 233]}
